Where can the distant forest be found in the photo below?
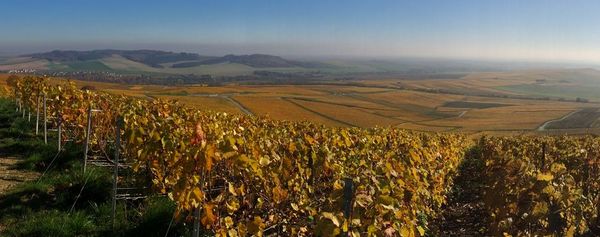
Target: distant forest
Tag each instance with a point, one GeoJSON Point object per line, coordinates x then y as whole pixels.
{"type": "Point", "coordinates": [258, 77]}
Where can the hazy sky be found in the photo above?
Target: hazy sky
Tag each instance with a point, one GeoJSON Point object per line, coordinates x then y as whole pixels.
{"type": "Point", "coordinates": [502, 29]}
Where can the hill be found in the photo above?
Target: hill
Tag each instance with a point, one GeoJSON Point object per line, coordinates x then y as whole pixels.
{"type": "Point", "coordinates": [151, 58]}
{"type": "Point", "coordinates": [162, 59]}
{"type": "Point", "coordinates": [164, 67]}
{"type": "Point", "coordinates": [254, 60]}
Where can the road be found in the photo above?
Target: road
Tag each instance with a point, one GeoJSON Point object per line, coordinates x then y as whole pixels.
{"type": "Point", "coordinates": [238, 105]}
{"type": "Point", "coordinates": [229, 98]}
{"type": "Point", "coordinates": [543, 126]}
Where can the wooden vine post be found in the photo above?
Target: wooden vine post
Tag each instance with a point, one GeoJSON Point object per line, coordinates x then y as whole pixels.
{"type": "Point", "coordinates": [118, 128]}
{"type": "Point", "coordinates": [586, 174]}
{"type": "Point", "coordinates": [348, 198]}
{"type": "Point", "coordinates": [312, 170]}
{"type": "Point", "coordinates": [543, 156]}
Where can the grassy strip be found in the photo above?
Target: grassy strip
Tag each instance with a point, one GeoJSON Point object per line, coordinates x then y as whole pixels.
{"type": "Point", "coordinates": [48, 206]}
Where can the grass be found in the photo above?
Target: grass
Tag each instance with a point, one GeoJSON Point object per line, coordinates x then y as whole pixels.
{"type": "Point", "coordinates": [156, 219]}
{"type": "Point", "coordinates": [92, 65]}
{"type": "Point", "coordinates": [57, 66]}
{"type": "Point", "coordinates": [65, 201]}
{"type": "Point", "coordinates": [41, 156]}
{"type": "Point", "coordinates": [55, 223]}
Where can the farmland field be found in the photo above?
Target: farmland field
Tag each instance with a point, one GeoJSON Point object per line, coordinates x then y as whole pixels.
{"type": "Point", "coordinates": [556, 91]}
{"type": "Point", "coordinates": [584, 118]}
{"type": "Point", "coordinates": [468, 104]}
{"type": "Point", "coordinates": [88, 65]}
{"type": "Point", "coordinates": [472, 103]}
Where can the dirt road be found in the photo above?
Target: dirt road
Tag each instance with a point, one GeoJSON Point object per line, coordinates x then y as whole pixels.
{"type": "Point", "coordinates": [9, 176]}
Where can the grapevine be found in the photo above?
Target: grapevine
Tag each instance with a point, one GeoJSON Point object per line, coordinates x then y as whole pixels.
{"type": "Point", "coordinates": [542, 185]}
{"type": "Point", "coordinates": [251, 175]}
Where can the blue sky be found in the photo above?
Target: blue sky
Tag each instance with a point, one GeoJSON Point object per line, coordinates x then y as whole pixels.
{"type": "Point", "coordinates": [486, 29]}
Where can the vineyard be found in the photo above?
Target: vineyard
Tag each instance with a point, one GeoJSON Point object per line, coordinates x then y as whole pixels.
{"type": "Point", "coordinates": [237, 175]}
{"type": "Point", "coordinates": [545, 185]}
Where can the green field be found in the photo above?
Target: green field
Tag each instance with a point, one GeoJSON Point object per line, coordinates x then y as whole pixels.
{"type": "Point", "coordinates": [92, 65]}
{"type": "Point", "coordinates": [571, 92]}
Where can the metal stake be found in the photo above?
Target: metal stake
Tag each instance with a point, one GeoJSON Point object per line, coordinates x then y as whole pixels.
{"type": "Point", "coordinates": [87, 138]}
{"type": "Point", "coordinates": [37, 116]}
{"type": "Point", "coordinates": [45, 122]}
{"type": "Point", "coordinates": [196, 232]}
{"type": "Point", "coordinates": [59, 131]}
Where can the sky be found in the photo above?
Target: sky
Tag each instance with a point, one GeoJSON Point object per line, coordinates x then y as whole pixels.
{"type": "Point", "coordinates": [542, 30]}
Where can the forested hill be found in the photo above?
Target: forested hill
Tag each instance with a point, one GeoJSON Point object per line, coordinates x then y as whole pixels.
{"type": "Point", "coordinates": [157, 59]}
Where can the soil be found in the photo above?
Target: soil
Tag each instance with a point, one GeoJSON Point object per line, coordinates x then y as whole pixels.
{"type": "Point", "coordinates": [10, 177]}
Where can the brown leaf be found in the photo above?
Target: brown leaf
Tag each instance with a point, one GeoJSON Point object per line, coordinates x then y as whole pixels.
{"type": "Point", "coordinates": [208, 217]}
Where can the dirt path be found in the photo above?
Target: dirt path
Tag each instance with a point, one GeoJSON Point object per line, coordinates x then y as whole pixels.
{"type": "Point", "coordinates": [228, 97]}
{"type": "Point", "coordinates": [317, 113]}
{"type": "Point", "coordinates": [238, 105]}
{"type": "Point", "coordinates": [545, 124]}
{"type": "Point", "coordinates": [465, 214]}
{"type": "Point", "coordinates": [9, 176]}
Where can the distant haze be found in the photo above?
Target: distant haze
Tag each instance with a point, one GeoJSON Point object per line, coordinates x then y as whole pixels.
{"type": "Point", "coordinates": [536, 30]}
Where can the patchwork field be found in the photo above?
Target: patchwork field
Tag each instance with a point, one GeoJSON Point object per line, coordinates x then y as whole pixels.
{"type": "Point", "coordinates": [475, 103]}
{"type": "Point", "coordinates": [583, 118]}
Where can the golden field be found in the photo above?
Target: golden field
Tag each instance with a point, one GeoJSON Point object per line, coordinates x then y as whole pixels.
{"type": "Point", "coordinates": [473, 104]}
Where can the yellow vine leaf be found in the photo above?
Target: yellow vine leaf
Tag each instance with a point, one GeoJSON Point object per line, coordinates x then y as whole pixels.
{"type": "Point", "coordinates": [198, 195]}
{"type": "Point", "coordinates": [256, 226]}
{"type": "Point", "coordinates": [231, 189]}
{"type": "Point", "coordinates": [333, 218]}
{"type": "Point", "coordinates": [421, 231]}
{"type": "Point", "coordinates": [545, 177]}
{"type": "Point", "coordinates": [232, 205]}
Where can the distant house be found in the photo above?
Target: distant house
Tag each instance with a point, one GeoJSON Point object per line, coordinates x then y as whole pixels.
{"type": "Point", "coordinates": [582, 100]}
